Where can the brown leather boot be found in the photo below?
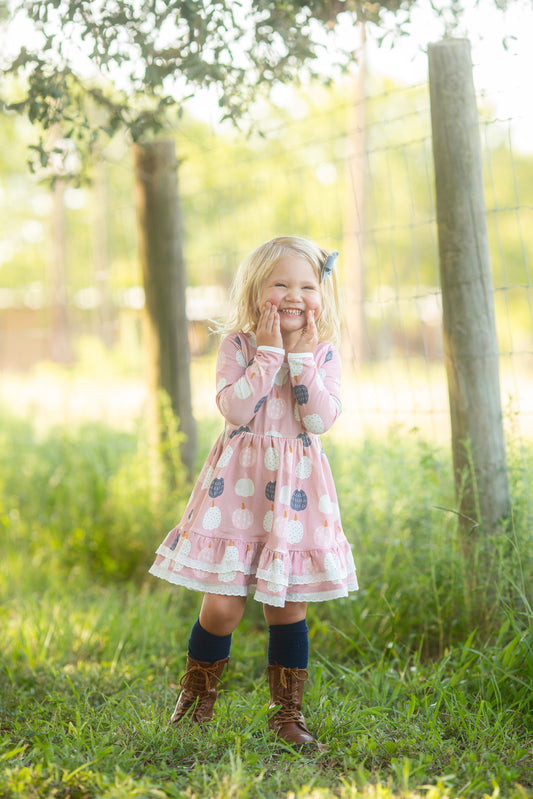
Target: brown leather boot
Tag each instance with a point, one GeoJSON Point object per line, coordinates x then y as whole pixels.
{"type": "Point", "coordinates": [198, 690]}
{"type": "Point", "coordinates": [286, 689]}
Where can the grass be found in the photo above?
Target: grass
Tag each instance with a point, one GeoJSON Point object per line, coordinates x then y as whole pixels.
{"type": "Point", "coordinates": [419, 687]}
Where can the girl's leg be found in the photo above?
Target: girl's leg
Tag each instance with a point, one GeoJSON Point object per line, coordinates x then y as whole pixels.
{"type": "Point", "coordinates": [288, 641]}
{"type": "Point", "coordinates": [208, 654]}
{"type": "Point", "coordinates": [288, 655]}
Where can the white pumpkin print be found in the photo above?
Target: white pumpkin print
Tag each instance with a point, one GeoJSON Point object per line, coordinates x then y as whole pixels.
{"type": "Point", "coordinates": [321, 373]}
{"type": "Point", "coordinates": [280, 378]}
{"type": "Point", "coordinates": [281, 524]}
{"type": "Point", "coordinates": [227, 577]}
{"type": "Point", "coordinates": [241, 360]}
{"type": "Point", "coordinates": [295, 531]}
{"type": "Point", "coordinates": [185, 545]}
{"type": "Point", "coordinates": [322, 535]}
{"type": "Point", "coordinates": [319, 383]}
{"type": "Point", "coordinates": [206, 554]}
{"type": "Point", "coordinates": [276, 407]}
{"type": "Point", "coordinates": [224, 459]}
{"type": "Point", "coordinates": [230, 557]}
{"type": "Point", "coordinates": [268, 520]}
{"type": "Point", "coordinates": [324, 504]}
{"type": "Point", "coordinates": [285, 495]}
{"type": "Point", "coordinates": [289, 457]}
{"type": "Point", "coordinates": [332, 567]}
{"type": "Point", "coordinates": [335, 510]}
{"type": "Point", "coordinates": [314, 423]}
{"type": "Point", "coordinates": [271, 459]}
{"type": "Point", "coordinates": [276, 568]}
{"type": "Point", "coordinates": [296, 366]}
{"type": "Point", "coordinates": [248, 455]}
{"type": "Point", "coordinates": [242, 518]}
{"type": "Point", "coordinates": [212, 518]}
{"type": "Point", "coordinates": [273, 433]}
{"type": "Point", "coordinates": [245, 487]}
{"type": "Point", "coordinates": [208, 477]}
{"type": "Point", "coordinates": [307, 565]}
{"type": "Point", "coordinates": [221, 384]}
{"type": "Point", "coordinates": [304, 467]}
{"type": "Point", "coordinates": [242, 388]}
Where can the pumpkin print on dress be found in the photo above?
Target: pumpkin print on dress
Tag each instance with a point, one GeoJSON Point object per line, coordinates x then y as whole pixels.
{"type": "Point", "coordinates": [208, 477]}
{"type": "Point", "coordinates": [304, 468]}
{"type": "Point", "coordinates": [323, 535]}
{"type": "Point", "coordinates": [216, 488]}
{"type": "Point", "coordinates": [314, 423]}
{"type": "Point", "coordinates": [212, 518]}
{"type": "Point", "coordinates": [242, 388]}
{"type": "Point", "coordinates": [226, 456]}
{"type": "Point", "coordinates": [302, 394]}
{"type": "Point", "coordinates": [268, 520]}
{"type": "Point", "coordinates": [260, 404]}
{"type": "Point", "coordinates": [248, 455]}
{"type": "Point", "coordinates": [242, 518]}
{"type": "Point", "coordinates": [299, 499]}
{"type": "Point", "coordinates": [244, 487]}
{"type": "Point", "coordinates": [276, 407]}
{"type": "Point", "coordinates": [270, 490]}
{"type": "Point", "coordinates": [305, 439]}
{"type": "Point", "coordinates": [281, 525]}
{"type": "Point", "coordinates": [271, 459]}
{"type": "Point", "coordinates": [295, 531]}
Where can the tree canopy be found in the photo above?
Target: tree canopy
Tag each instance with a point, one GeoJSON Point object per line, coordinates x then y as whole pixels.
{"type": "Point", "coordinates": [96, 67]}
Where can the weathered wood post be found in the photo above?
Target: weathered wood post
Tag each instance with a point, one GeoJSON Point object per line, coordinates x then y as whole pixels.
{"type": "Point", "coordinates": [470, 343]}
{"type": "Point", "coordinates": [161, 256]}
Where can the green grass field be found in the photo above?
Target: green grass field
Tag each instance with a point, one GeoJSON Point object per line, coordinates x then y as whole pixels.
{"type": "Point", "coordinates": [421, 686]}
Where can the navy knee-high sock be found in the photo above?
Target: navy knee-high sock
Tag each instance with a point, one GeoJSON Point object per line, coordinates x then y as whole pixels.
{"type": "Point", "coordinates": [288, 645]}
{"type": "Point", "coordinates": [206, 647]}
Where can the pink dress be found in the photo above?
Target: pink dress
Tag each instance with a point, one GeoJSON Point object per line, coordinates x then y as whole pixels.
{"type": "Point", "coordinates": [263, 517]}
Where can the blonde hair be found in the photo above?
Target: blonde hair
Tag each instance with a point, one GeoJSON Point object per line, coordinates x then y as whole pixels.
{"type": "Point", "coordinates": [254, 271]}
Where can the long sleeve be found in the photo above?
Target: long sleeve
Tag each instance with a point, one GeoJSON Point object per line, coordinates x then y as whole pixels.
{"type": "Point", "coordinates": [243, 387]}
{"type": "Point", "coordinates": [315, 382]}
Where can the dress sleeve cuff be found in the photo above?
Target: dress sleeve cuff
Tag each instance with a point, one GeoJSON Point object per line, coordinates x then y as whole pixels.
{"type": "Point", "coordinates": [297, 356]}
{"type": "Point", "coordinates": [266, 348]}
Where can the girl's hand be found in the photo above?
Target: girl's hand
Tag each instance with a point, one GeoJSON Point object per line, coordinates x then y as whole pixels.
{"type": "Point", "coordinates": [268, 332]}
{"type": "Point", "coordinates": [308, 341]}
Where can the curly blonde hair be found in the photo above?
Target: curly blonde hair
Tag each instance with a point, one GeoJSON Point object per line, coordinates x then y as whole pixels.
{"type": "Point", "coordinates": [255, 269]}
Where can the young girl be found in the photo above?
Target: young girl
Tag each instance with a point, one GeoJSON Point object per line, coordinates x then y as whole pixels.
{"type": "Point", "coordinates": [263, 518]}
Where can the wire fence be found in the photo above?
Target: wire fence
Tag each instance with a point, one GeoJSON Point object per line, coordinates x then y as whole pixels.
{"type": "Point", "coordinates": [355, 173]}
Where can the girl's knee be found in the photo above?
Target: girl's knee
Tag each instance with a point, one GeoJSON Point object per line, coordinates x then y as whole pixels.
{"type": "Point", "coordinates": [220, 615]}
{"type": "Point", "coordinates": [290, 613]}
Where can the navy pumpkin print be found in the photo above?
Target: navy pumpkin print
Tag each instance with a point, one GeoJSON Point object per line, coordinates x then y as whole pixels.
{"type": "Point", "coordinates": [302, 395]}
{"type": "Point", "coordinates": [299, 500]}
{"type": "Point", "coordinates": [306, 440]}
{"type": "Point", "coordinates": [270, 490]}
{"type": "Point", "coordinates": [217, 487]}
{"type": "Point", "coordinates": [329, 356]}
{"type": "Point", "coordinates": [259, 404]}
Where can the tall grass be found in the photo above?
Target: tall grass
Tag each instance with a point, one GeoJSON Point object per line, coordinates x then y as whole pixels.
{"type": "Point", "coordinates": [423, 680]}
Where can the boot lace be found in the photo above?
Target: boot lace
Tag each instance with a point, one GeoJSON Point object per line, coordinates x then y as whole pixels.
{"type": "Point", "coordinates": [200, 679]}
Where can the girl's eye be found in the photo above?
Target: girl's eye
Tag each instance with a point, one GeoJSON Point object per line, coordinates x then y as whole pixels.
{"type": "Point", "coordinates": [281, 286]}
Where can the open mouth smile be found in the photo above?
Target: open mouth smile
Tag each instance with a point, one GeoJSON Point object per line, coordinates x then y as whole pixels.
{"type": "Point", "coordinates": [291, 311]}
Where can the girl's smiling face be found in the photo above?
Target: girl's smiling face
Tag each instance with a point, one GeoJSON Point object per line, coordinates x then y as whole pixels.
{"type": "Point", "coordinates": [293, 288]}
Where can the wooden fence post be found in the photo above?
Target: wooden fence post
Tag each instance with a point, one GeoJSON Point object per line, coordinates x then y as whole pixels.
{"type": "Point", "coordinates": [161, 255]}
{"type": "Point", "coordinates": [470, 342]}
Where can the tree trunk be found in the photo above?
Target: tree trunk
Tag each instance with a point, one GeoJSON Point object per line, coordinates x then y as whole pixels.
{"type": "Point", "coordinates": [470, 342]}
{"type": "Point", "coordinates": [165, 322]}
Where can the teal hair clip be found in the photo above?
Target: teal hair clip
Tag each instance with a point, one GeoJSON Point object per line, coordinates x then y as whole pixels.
{"type": "Point", "coordinates": [329, 263]}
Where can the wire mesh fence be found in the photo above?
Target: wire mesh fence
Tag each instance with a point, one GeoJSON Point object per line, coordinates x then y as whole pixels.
{"type": "Point", "coordinates": [355, 173]}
